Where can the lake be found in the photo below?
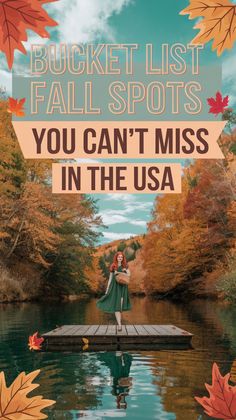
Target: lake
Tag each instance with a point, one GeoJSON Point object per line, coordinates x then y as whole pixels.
{"type": "Point", "coordinates": [162, 384]}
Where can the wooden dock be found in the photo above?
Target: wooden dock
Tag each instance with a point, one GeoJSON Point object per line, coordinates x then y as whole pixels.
{"type": "Point", "coordinates": [107, 337]}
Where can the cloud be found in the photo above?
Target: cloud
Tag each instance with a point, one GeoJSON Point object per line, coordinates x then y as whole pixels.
{"type": "Point", "coordinates": [79, 21]}
{"type": "Point", "coordinates": [228, 70]}
{"type": "Point", "coordinates": [122, 215]}
{"type": "Point", "coordinates": [113, 217]}
{"type": "Point", "coordinates": [228, 73]}
{"type": "Point", "coordinates": [120, 197]}
{"type": "Point", "coordinates": [112, 236]}
{"type": "Point", "coordinates": [6, 80]}
{"type": "Point", "coordinates": [130, 203]}
{"type": "Point", "coordinates": [85, 20]}
{"type": "Point", "coordinates": [142, 223]}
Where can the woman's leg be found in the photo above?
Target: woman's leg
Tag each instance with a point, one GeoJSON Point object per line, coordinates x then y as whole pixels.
{"type": "Point", "coordinates": [121, 306]}
{"type": "Point", "coordinates": [118, 318]}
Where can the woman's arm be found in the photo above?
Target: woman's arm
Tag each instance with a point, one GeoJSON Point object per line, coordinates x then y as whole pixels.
{"type": "Point", "coordinates": [126, 271]}
{"type": "Point", "coordinates": [109, 282]}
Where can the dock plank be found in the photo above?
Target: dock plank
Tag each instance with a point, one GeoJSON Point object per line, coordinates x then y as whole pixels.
{"type": "Point", "coordinates": [141, 330]}
{"type": "Point", "coordinates": [91, 330]}
{"type": "Point", "coordinates": [131, 330]}
{"type": "Point", "coordinates": [60, 330]}
{"type": "Point", "coordinates": [123, 331]}
{"type": "Point", "coordinates": [151, 331]}
{"type": "Point", "coordinates": [111, 330]}
{"type": "Point", "coordinates": [162, 330]}
{"type": "Point", "coordinates": [178, 330]}
{"type": "Point", "coordinates": [102, 329]}
{"type": "Point", "coordinates": [171, 330]}
{"type": "Point", "coordinates": [71, 331]}
{"type": "Point", "coordinates": [107, 337]}
{"type": "Point", "coordinates": [80, 330]}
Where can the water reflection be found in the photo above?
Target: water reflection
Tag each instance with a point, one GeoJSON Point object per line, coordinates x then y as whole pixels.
{"type": "Point", "coordinates": [119, 364]}
{"type": "Point", "coordinates": [99, 385]}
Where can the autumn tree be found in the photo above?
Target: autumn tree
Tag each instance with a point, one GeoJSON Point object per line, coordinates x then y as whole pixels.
{"type": "Point", "coordinates": [76, 223]}
{"type": "Point", "coordinates": [190, 232]}
{"type": "Point", "coordinates": [55, 233]}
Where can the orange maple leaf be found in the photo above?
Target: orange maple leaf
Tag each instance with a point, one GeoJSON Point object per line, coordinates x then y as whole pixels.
{"type": "Point", "coordinates": [35, 342]}
{"type": "Point", "coordinates": [14, 403]}
{"type": "Point", "coordinates": [16, 106]}
{"type": "Point", "coordinates": [222, 401]}
{"type": "Point", "coordinates": [16, 16]}
{"type": "Point", "coordinates": [218, 22]}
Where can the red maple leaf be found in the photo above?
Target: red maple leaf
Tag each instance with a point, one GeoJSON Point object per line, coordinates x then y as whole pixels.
{"type": "Point", "coordinates": [16, 16]}
{"type": "Point", "coordinates": [222, 401]}
{"type": "Point", "coordinates": [35, 342]}
{"type": "Point", "coordinates": [16, 106]}
{"type": "Point", "coordinates": [218, 104]}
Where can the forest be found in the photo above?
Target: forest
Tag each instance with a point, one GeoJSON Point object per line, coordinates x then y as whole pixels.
{"type": "Point", "coordinates": [190, 244]}
{"type": "Point", "coordinates": [189, 250]}
{"type": "Point", "coordinates": [46, 240]}
{"type": "Point", "coordinates": [49, 242]}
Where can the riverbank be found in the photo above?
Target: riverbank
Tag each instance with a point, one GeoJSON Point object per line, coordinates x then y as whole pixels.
{"type": "Point", "coordinates": [22, 283]}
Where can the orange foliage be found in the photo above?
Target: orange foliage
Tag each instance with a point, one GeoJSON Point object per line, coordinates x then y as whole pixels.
{"type": "Point", "coordinates": [191, 232]}
{"type": "Point", "coordinates": [36, 226]}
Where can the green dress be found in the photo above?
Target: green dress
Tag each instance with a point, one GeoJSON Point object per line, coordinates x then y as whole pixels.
{"type": "Point", "coordinates": [111, 301]}
{"type": "Point", "coordinates": [119, 366]}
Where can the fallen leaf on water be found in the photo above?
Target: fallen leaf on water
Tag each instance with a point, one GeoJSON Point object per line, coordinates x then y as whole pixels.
{"type": "Point", "coordinates": [85, 347]}
{"type": "Point", "coordinates": [218, 22]}
{"type": "Point", "coordinates": [16, 106]}
{"type": "Point", "coordinates": [35, 342]}
{"type": "Point", "coordinates": [221, 403]}
{"type": "Point", "coordinates": [14, 403]}
{"type": "Point", "coordinates": [218, 104]}
{"type": "Point", "coordinates": [17, 16]}
{"type": "Point", "coordinates": [86, 343]}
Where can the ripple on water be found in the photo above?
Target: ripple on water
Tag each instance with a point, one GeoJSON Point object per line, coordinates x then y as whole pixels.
{"type": "Point", "coordinates": [162, 384]}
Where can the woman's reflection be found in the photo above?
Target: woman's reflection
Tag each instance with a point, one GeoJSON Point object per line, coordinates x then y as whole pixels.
{"type": "Point", "coordinates": [119, 364]}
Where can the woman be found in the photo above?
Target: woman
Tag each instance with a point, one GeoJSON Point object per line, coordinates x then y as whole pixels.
{"type": "Point", "coordinates": [116, 298]}
{"type": "Point", "coordinates": [119, 364]}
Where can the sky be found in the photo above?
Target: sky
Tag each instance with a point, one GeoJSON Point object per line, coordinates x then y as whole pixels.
{"type": "Point", "coordinates": [124, 21]}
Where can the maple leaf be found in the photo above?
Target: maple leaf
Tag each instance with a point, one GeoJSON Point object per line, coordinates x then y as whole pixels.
{"type": "Point", "coordinates": [218, 22]}
{"type": "Point", "coordinates": [16, 16]}
{"type": "Point", "coordinates": [16, 106]}
{"type": "Point", "coordinates": [86, 343]}
{"type": "Point", "coordinates": [14, 403]}
{"type": "Point", "coordinates": [35, 342]}
{"type": "Point", "coordinates": [218, 104]}
{"type": "Point", "coordinates": [222, 401]}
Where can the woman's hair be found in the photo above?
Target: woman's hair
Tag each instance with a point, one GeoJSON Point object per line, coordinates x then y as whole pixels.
{"type": "Point", "coordinates": [114, 265]}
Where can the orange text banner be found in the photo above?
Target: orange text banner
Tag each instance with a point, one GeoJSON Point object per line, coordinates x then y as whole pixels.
{"type": "Point", "coordinates": [119, 139]}
{"type": "Point", "coordinates": [116, 178]}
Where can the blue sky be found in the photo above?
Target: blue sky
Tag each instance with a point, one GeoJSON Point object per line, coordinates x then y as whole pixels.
{"type": "Point", "coordinates": [124, 21]}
